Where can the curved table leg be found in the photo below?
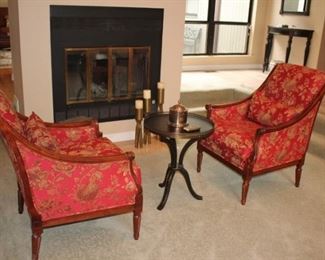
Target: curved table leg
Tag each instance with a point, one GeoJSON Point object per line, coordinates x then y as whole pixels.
{"type": "Point", "coordinates": [168, 172]}
{"type": "Point", "coordinates": [173, 167]}
{"type": "Point", "coordinates": [171, 143]}
{"type": "Point", "coordinates": [189, 184]}
{"type": "Point", "coordinates": [169, 180]}
{"type": "Point", "coordinates": [184, 172]}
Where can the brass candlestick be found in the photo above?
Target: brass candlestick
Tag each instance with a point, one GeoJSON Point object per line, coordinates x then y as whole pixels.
{"type": "Point", "coordinates": [147, 110]}
{"type": "Point", "coordinates": [161, 97]}
{"type": "Point", "coordinates": [146, 106]}
{"type": "Point", "coordinates": [138, 128]}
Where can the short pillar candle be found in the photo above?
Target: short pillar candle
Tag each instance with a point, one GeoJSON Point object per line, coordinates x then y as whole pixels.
{"type": "Point", "coordinates": [147, 94]}
{"type": "Point", "coordinates": [138, 104]}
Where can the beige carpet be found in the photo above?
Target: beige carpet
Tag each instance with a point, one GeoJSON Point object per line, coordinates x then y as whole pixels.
{"type": "Point", "coordinates": [279, 221]}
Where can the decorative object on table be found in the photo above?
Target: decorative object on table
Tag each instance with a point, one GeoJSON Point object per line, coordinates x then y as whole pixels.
{"type": "Point", "coordinates": [161, 96]}
{"type": "Point", "coordinates": [146, 111]}
{"type": "Point", "coordinates": [138, 118]}
{"type": "Point", "coordinates": [178, 116]}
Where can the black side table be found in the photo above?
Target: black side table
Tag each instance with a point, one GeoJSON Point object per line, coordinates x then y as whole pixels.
{"type": "Point", "coordinates": [291, 32]}
{"type": "Point", "coordinates": [157, 123]}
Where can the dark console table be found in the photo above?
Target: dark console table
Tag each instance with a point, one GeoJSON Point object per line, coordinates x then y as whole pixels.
{"type": "Point", "coordinates": [291, 32]}
{"type": "Point", "coordinates": [157, 123]}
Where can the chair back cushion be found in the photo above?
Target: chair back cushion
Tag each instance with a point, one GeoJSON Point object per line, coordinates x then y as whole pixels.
{"type": "Point", "coordinates": [288, 91]}
{"type": "Point", "coordinates": [37, 133]}
{"type": "Point", "coordinates": [8, 114]}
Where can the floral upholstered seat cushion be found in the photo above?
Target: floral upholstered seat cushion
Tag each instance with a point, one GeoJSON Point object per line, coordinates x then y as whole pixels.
{"type": "Point", "coordinates": [61, 189]}
{"type": "Point", "coordinates": [37, 133]}
{"type": "Point", "coordinates": [9, 115]}
{"type": "Point", "coordinates": [78, 141]}
{"type": "Point", "coordinates": [233, 136]}
{"type": "Point", "coordinates": [65, 135]}
{"type": "Point", "coordinates": [92, 147]}
{"type": "Point", "coordinates": [288, 91]}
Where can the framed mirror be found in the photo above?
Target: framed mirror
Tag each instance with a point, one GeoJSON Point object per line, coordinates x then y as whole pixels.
{"type": "Point", "coordinates": [298, 7]}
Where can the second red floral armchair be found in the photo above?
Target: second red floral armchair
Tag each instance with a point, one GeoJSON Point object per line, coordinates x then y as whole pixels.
{"type": "Point", "coordinates": [269, 130]}
{"type": "Point", "coordinates": [68, 173]}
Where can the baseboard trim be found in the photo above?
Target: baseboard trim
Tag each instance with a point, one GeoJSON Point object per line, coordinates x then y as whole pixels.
{"type": "Point", "coordinates": [120, 137]}
{"type": "Point", "coordinates": [214, 67]}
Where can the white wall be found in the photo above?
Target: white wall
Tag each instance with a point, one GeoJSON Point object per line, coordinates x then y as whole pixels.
{"type": "Point", "coordinates": [32, 57]}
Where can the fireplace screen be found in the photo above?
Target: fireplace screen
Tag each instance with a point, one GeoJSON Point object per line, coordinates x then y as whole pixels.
{"type": "Point", "coordinates": [106, 74]}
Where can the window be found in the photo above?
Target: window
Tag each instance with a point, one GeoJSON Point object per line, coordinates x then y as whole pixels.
{"type": "Point", "coordinates": [216, 27]}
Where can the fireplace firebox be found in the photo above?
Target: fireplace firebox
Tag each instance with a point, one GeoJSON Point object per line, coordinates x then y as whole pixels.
{"type": "Point", "coordinates": [102, 60]}
{"type": "Point", "coordinates": [99, 74]}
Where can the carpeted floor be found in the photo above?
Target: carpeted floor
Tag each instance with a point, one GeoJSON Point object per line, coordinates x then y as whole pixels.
{"type": "Point", "coordinates": [279, 221]}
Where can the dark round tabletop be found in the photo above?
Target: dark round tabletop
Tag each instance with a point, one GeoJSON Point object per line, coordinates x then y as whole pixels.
{"type": "Point", "coordinates": [157, 123]}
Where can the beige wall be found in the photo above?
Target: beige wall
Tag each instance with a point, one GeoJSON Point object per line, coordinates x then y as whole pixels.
{"type": "Point", "coordinates": [32, 57]}
{"type": "Point", "coordinates": [321, 58]}
{"type": "Point", "coordinates": [315, 21]}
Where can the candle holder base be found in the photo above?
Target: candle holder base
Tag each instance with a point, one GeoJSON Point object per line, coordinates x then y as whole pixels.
{"type": "Point", "coordinates": [138, 140]}
{"type": "Point", "coordinates": [147, 137]}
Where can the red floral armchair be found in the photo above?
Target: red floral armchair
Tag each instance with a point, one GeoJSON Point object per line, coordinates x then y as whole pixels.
{"type": "Point", "coordinates": [68, 173]}
{"type": "Point", "coordinates": [270, 129]}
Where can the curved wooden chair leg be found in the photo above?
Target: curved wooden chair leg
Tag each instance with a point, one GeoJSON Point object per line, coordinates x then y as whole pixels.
{"type": "Point", "coordinates": [245, 188]}
{"type": "Point", "coordinates": [136, 224]}
{"type": "Point", "coordinates": [36, 242]}
{"type": "Point", "coordinates": [199, 160]}
{"type": "Point", "coordinates": [298, 173]}
{"type": "Point", "coordinates": [20, 201]}
{"type": "Point", "coordinates": [137, 216]}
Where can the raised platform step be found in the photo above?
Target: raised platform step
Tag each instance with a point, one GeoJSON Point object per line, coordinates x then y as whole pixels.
{"type": "Point", "coordinates": [197, 99]}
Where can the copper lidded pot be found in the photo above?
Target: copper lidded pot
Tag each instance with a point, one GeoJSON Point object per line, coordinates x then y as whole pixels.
{"type": "Point", "coordinates": [178, 116]}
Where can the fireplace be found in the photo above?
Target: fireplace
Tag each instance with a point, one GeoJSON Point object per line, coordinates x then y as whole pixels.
{"type": "Point", "coordinates": [102, 60]}
{"type": "Point", "coordinates": [100, 74]}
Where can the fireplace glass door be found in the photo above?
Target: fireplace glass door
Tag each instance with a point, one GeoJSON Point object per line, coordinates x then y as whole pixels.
{"type": "Point", "coordinates": [98, 75]}
{"type": "Point", "coordinates": [106, 74]}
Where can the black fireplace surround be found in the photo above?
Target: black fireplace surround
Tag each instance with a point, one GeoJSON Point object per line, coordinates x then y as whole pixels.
{"type": "Point", "coordinates": [102, 27]}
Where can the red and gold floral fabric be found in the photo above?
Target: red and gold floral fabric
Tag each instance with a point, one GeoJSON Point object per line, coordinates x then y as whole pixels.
{"type": "Point", "coordinates": [94, 147]}
{"type": "Point", "coordinates": [37, 133]}
{"type": "Point", "coordinates": [83, 141]}
{"type": "Point", "coordinates": [76, 134]}
{"type": "Point", "coordinates": [233, 136]}
{"type": "Point", "coordinates": [284, 146]}
{"type": "Point", "coordinates": [9, 115]}
{"type": "Point", "coordinates": [287, 92]}
{"type": "Point", "coordinates": [61, 189]}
